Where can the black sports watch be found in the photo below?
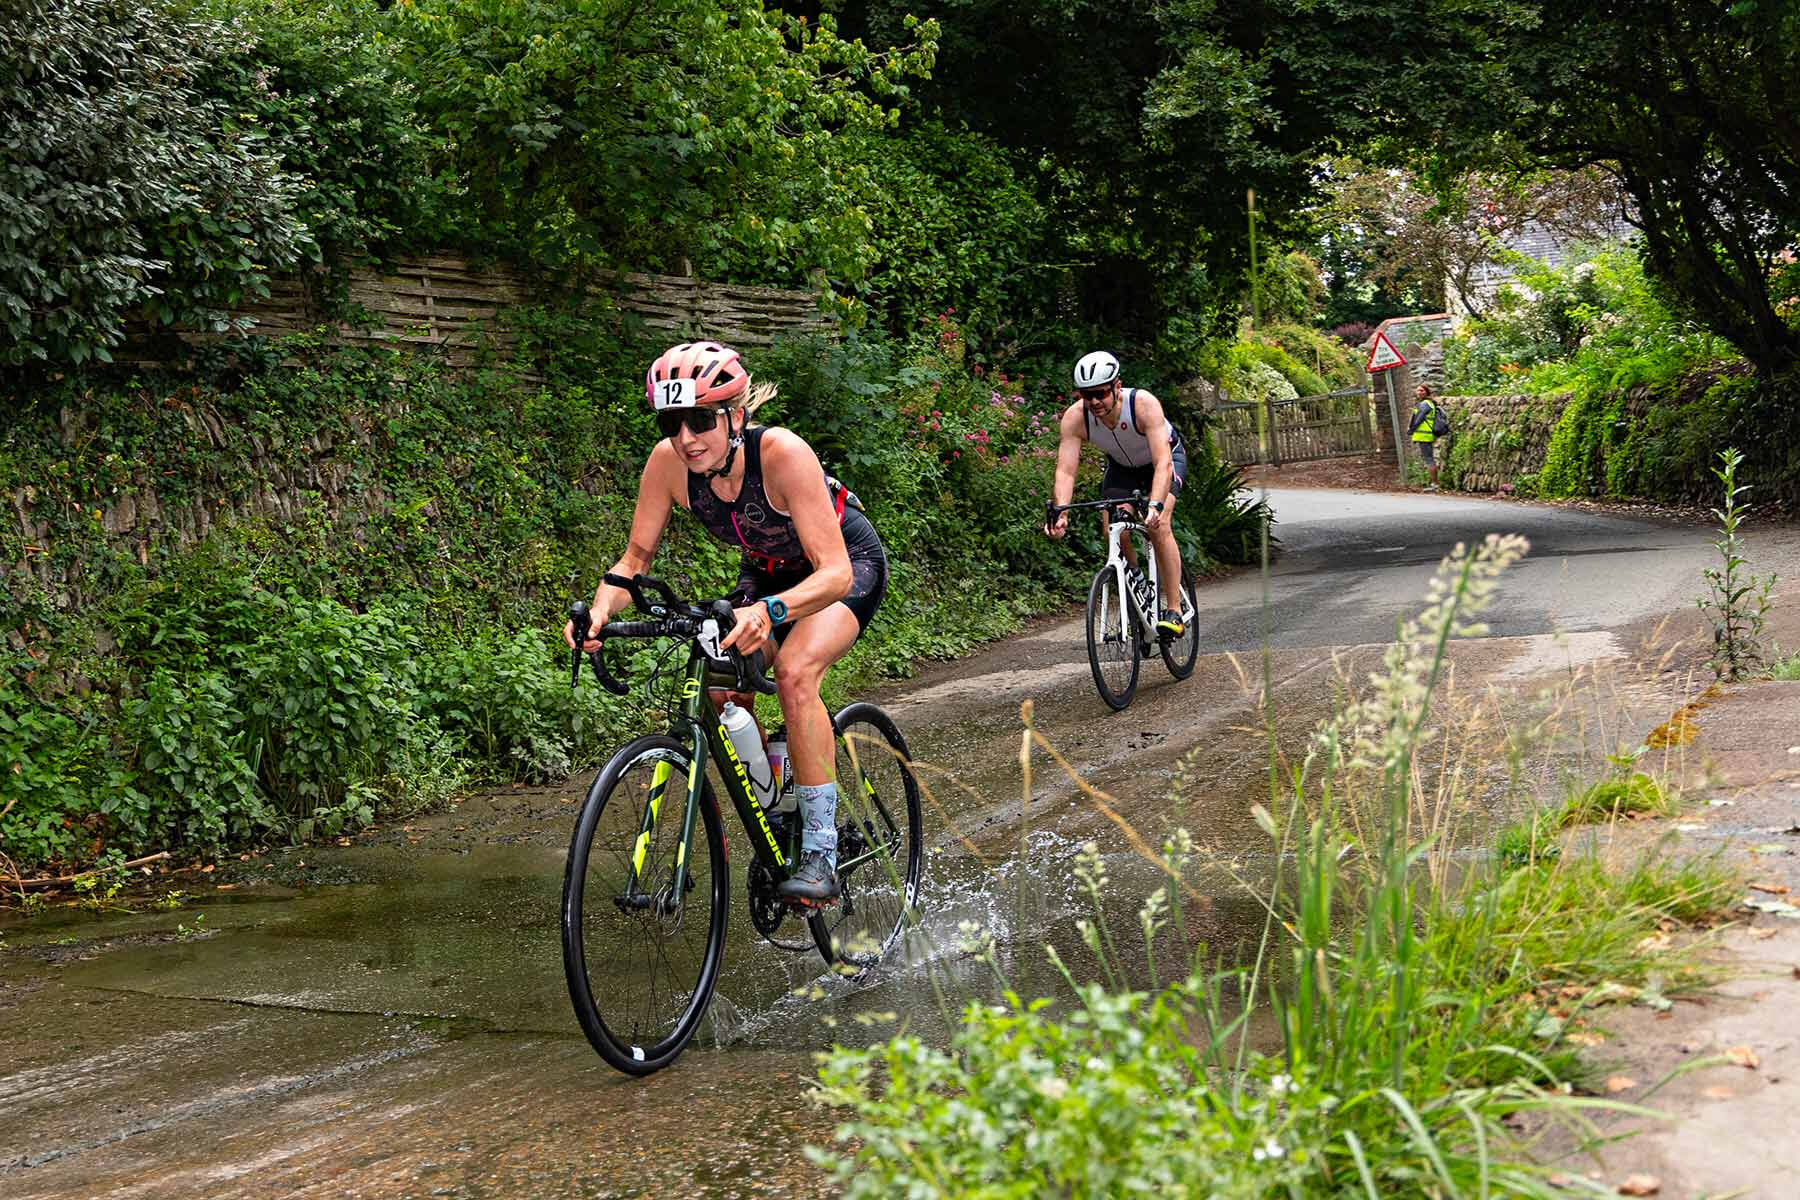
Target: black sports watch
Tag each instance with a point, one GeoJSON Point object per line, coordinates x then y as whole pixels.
{"type": "Point", "coordinates": [1157, 505]}
{"type": "Point", "coordinates": [777, 609]}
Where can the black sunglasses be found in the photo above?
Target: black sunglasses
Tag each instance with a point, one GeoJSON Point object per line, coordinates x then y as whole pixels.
{"type": "Point", "coordinates": [1095, 393]}
{"type": "Point", "coordinates": [698, 420]}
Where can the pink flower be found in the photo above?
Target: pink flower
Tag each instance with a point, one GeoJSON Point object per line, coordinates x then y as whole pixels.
{"type": "Point", "coordinates": [1004, 458]}
{"type": "Point", "coordinates": [934, 425]}
{"type": "Point", "coordinates": [956, 454]}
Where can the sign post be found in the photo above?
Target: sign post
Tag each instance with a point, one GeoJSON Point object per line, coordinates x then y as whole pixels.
{"type": "Point", "coordinates": [1384, 358]}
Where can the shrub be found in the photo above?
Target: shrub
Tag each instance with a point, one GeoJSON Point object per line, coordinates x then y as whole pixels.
{"type": "Point", "coordinates": [1417, 1005]}
{"type": "Point", "coordinates": [192, 780]}
{"type": "Point", "coordinates": [126, 185]}
{"type": "Point", "coordinates": [330, 711]}
{"type": "Point", "coordinates": [514, 714]}
{"type": "Point", "coordinates": [1332, 364]}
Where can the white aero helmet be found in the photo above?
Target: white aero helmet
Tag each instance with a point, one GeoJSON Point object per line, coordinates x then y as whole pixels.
{"type": "Point", "coordinates": [1096, 370]}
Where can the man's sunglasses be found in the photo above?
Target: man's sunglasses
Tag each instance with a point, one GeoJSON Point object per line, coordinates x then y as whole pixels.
{"type": "Point", "coordinates": [1092, 394]}
{"type": "Point", "coordinates": [698, 420]}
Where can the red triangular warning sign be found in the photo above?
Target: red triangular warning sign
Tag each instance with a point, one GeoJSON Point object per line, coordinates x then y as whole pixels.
{"type": "Point", "coordinates": [1382, 355]}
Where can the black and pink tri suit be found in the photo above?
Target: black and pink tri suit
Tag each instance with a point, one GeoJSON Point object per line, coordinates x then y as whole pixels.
{"type": "Point", "coordinates": [773, 558]}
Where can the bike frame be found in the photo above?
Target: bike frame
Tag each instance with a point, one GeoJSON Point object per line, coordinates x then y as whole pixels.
{"type": "Point", "coordinates": [707, 738]}
{"type": "Point", "coordinates": [1117, 532]}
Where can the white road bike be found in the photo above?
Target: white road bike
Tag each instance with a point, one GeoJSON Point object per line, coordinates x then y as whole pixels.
{"type": "Point", "coordinates": [1123, 602]}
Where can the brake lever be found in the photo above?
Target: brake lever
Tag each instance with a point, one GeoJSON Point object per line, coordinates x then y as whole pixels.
{"type": "Point", "coordinates": [747, 669]}
{"type": "Point", "coordinates": [583, 621]}
{"type": "Point", "coordinates": [750, 674]}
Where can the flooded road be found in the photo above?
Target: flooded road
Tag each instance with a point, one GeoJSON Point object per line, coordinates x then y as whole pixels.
{"type": "Point", "coordinates": [387, 1018]}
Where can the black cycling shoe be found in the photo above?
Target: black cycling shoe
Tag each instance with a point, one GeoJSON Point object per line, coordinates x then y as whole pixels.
{"type": "Point", "coordinates": [1169, 624]}
{"type": "Point", "coordinates": [815, 882]}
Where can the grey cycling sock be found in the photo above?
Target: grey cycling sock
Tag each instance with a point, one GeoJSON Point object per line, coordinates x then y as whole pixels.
{"type": "Point", "coordinates": [818, 808]}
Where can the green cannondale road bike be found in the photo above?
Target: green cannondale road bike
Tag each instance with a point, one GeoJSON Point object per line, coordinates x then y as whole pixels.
{"type": "Point", "coordinates": [646, 889]}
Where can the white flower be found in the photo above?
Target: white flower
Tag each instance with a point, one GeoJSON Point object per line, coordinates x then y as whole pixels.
{"type": "Point", "coordinates": [1268, 1150]}
{"type": "Point", "coordinates": [1280, 1085]}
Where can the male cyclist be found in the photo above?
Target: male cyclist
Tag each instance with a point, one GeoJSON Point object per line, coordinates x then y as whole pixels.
{"type": "Point", "coordinates": [1143, 454]}
{"type": "Point", "coordinates": [813, 570]}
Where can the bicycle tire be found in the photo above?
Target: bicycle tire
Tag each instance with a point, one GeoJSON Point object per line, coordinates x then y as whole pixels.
{"type": "Point", "coordinates": [1110, 632]}
{"type": "Point", "coordinates": [878, 807]}
{"type": "Point", "coordinates": [1179, 654]}
{"type": "Point", "coordinates": [595, 934]}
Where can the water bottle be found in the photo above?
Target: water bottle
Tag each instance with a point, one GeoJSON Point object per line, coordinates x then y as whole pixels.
{"type": "Point", "coordinates": [782, 769]}
{"type": "Point", "coordinates": [740, 727]}
{"type": "Point", "coordinates": [778, 764]}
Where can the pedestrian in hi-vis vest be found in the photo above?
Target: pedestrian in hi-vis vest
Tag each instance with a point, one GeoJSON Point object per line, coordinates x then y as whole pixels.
{"type": "Point", "coordinates": [1429, 423]}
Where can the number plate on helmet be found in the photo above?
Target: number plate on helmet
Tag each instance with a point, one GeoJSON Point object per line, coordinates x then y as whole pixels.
{"type": "Point", "coordinates": [676, 393]}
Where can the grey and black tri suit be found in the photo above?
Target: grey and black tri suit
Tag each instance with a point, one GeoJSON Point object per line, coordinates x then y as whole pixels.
{"type": "Point", "coordinates": [1130, 464]}
{"type": "Point", "coordinates": [773, 558]}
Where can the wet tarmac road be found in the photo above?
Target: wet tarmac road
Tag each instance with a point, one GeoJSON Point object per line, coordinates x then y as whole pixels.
{"type": "Point", "coordinates": [388, 1018]}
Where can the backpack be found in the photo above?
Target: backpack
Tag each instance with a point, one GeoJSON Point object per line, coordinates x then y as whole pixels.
{"type": "Point", "coordinates": [1440, 420]}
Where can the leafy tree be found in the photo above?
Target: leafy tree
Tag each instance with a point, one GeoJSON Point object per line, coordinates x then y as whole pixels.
{"type": "Point", "coordinates": [686, 132]}
{"type": "Point", "coordinates": [955, 224]}
{"type": "Point", "coordinates": [1146, 122]}
{"type": "Point", "coordinates": [1691, 102]}
{"type": "Point", "coordinates": [329, 95]}
{"type": "Point", "coordinates": [1432, 242]}
{"type": "Point", "coordinates": [1289, 288]}
{"type": "Point", "coordinates": [120, 185]}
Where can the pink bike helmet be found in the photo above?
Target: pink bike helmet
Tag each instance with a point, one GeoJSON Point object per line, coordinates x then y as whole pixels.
{"type": "Point", "coordinates": [695, 373]}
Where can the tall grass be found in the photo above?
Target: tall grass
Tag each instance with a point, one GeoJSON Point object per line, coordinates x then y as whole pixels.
{"type": "Point", "coordinates": [1407, 1004]}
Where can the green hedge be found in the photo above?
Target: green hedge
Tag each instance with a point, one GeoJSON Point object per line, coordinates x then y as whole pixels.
{"type": "Point", "coordinates": [364, 615]}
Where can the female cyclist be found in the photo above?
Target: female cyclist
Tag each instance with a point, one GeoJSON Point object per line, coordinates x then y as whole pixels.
{"type": "Point", "coordinates": [813, 570]}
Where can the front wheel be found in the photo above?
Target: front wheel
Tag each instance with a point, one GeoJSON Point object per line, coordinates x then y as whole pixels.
{"type": "Point", "coordinates": [1112, 642]}
{"type": "Point", "coordinates": [880, 852]}
{"type": "Point", "coordinates": [642, 956]}
{"type": "Point", "coordinates": [1179, 653]}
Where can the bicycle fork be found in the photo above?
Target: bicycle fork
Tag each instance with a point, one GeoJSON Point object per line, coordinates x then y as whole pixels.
{"type": "Point", "coordinates": [636, 897]}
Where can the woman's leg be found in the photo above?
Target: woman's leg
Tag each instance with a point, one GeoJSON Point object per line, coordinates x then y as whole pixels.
{"type": "Point", "coordinates": [816, 642]}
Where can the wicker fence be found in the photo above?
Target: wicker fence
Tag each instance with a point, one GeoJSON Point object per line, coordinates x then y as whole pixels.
{"type": "Point", "coordinates": [446, 305]}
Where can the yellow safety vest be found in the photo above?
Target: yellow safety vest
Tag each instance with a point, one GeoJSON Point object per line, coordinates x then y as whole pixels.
{"type": "Point", "coordinates": [1423, 432]}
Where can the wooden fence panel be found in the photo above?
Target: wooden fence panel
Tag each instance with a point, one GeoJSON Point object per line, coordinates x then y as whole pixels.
{"type": "Point", "coordinates": [1309, 427]}
{"type": "Point", "coordinates": [442, 302]}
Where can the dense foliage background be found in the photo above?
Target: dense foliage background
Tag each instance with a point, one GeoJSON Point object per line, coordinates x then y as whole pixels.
{"type": "Point", "coordinates": [353, 614]}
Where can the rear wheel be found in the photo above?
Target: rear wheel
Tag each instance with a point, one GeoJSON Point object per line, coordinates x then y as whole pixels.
{"type": "Point", "coordinates": [1112, 643]}
{"type": "Point", "coordinates": [880, 851]}
{"type": "Point", "coordinates": [641, 959]}
{"type": "Point", "coordinates": [1179, 653]}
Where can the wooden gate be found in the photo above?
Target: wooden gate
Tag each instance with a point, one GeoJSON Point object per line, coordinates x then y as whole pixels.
{"type": "Point", "coordinates": [1309, 427]}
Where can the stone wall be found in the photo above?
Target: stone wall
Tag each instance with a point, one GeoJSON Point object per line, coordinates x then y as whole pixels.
{"type": "Point", "coordinates": [1496, 440]}
{"type": "Point", "coordinates": [316, 476]}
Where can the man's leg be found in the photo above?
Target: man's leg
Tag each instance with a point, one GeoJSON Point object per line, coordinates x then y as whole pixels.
{"type": "Point", "coordinates": [1168, 557]}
